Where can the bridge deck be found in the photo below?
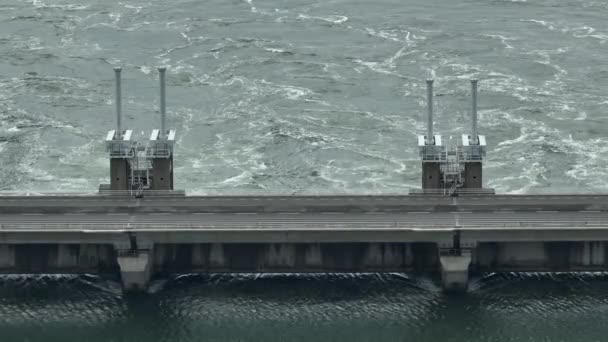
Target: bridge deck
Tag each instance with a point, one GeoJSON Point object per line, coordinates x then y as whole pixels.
{"type": "Point", "coordinates": [325, 220]}
{"type": "Point", "coordinates": [255, 204]}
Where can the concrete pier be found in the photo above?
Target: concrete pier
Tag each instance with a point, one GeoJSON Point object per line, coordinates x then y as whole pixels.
{"type": "Point", "coordinates": [233, 254]}
{"type": "Point", "coordinates": [455, 270]}
{"type": "Point", "coordinates": [450, 238]}
{"type": "Point", "coordinates": [135, 269]}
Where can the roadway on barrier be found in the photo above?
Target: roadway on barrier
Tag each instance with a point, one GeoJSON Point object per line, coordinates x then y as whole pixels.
{"type": "Point", "coordinates": [302, 221]}
{"type": "Point", "coordinates": [15, 203]}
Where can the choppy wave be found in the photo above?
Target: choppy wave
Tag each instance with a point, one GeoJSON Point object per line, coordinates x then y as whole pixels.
{"type": "Point", "coordinates": [268, 96]}
{"type": "Point", "coordinates": [507, 306]}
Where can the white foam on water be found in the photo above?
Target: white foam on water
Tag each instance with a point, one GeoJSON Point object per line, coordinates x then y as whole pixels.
{"type": "Point", "coordinates": [336, 19]}
{"type": "Point", "coordinates": [520, 139]}
{"type": "Point", "coordinates": [294, 93]}
{"type": "Point", "coordinates": [145, 69]}
{"type": "Point", "coordinates": [274, 50]}
{"type": "Point", "coordinates": [564, 111]}
{"type": "Point", "coordinates": [243, 178]}
{"type": "Point", "coordinates": [390, 62]}
{"type": "Point", "coordinates": [288, 91]}
{"type": "Point", "coordinates": [584, 31]}
{"type": "Point", "coordinates": [379, 67]}
{"type": "Point", "coordinates": [588, 32]}
{"type": "Point", "coordinates": [591, 158]}
{"type": "Point", "coordinates": [67, 7]}
{"type": "Point", "coordinates": [27, 43]}
{"type": "Point", "coordinates": [252, 8]}
{"type": "Point", "coordinates": [503, 39]}
{"type": "Point", "coordinates": [328, 171]}
{"type": "Point", "coordinates": [543, 23]}
{"type": "Point", "coordinates": [136, 8]}
{"type": "Point", "coordinates": [383, 34]}
{"type": "Point", "coordinates": [529, 173]}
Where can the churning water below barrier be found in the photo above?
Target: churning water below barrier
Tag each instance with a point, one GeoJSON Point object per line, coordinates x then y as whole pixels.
{"type": "Point", "coordinates": [369, 307]}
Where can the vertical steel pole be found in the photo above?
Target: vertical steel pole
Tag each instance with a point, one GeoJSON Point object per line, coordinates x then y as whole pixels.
{"type": "Point", "coordinates": [118, 101]}
{"type": "Point", "coordinates": [474, 112]}
{"type": "Point", "coordinates": [429, 100]}
{"type": "Point", "coordinates": [163, 113]}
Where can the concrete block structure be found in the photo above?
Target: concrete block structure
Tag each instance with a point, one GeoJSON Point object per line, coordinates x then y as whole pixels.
{"type": "Point", "coordinates": [119, 174]}
{"type": "Point", "coordinates": [473, 175]}
{"type": "Point", "coordinates": [431, 176]}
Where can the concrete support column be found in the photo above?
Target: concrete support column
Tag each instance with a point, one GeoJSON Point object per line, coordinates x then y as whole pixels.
{"type": "Point", "coordinates": [135, 269]}
{"type": "Point", "coordinates": [280, 255]}
{"type": "Point", "coordinates": [593, 253]}
{"type": "Point", "coordinates": [216, 256]}
{"type": "Point", "coordinates": [67, 256]}
{"type": "Point", "coordinates": [455, 269]}
{"type": "Point", "coordinates": [313, 256]}
{"type": "Point", "coordinates": [7, 256]}
{"type": "Point", "coordinates": [597, 253]}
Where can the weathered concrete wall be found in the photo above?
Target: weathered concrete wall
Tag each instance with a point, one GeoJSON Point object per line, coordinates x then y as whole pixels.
{"type": "Point", "coordinates": [119, 172]}
{"type": "Point", "coordinates": [57, 258]}
{"type": "Point", "coordinates": [135, 269]}
{"type": "Point", "coordinates": [540, 256]}
{"type": "Point", "coordinates": [137, 266]}
{"type": "Point", "coordinates": [473, 175]}
{"type": "Point", "coordinates": [288, 257]}
{"type": "Point", "coordinates": [455, 270]}
{"type": "Point", "coordinates": [431, 175]}
{"type": "Point", "coordinates": [162, 174]}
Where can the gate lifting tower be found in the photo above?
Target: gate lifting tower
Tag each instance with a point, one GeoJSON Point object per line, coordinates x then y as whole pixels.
{"type": "Point", "coordinates": [138, 166]}
{"type": "Point", "coordinates": [448, 168]}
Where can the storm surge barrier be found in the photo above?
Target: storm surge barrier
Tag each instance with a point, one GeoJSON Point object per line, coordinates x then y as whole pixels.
{"type": "Point", "coordinates": [138, 226]}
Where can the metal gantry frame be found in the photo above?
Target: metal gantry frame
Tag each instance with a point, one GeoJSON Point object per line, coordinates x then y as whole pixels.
{"type": "Point", "coordinates": [453, 155]}
{"type": "Point", "coordinates": [139, 155]}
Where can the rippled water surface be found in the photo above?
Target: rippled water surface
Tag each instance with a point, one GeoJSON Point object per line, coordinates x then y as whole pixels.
{"type": "Point", "coordinates": [305, 96]}
{"type": "Point", "coordinates": [303, 308]}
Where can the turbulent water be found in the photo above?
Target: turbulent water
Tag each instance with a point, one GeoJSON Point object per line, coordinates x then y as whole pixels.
{"type": "Point", "coordinates": [534, 308]}
{"type": "Point", "coordinates": [305, 97]}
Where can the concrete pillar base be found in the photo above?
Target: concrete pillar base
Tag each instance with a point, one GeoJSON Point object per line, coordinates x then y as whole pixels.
{"type": "Point", "coordinates": [135, 270]}
{"type": "Point", "coordinates": [455, 271]}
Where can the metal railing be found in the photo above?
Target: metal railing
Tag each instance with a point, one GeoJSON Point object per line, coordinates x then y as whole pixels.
{"type": "Point", "coordinates": [471, 153]}
{"type": "Point", "coordinates": [432, 153]}
{"type": "Point", "coordinates": [120, 149]}
{"type": "Point", "coordinates": [463, 191]}
{"type": "Point", "coordinates": [267, 226]}
{"type": "Point", "coordinates": [159, 150]}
